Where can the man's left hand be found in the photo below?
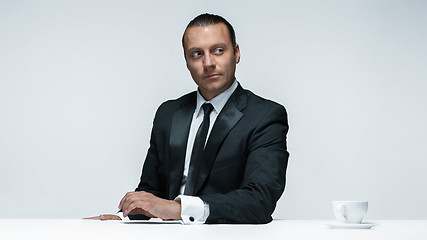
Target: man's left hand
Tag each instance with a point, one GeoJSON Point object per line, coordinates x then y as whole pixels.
{"type": "Point", "coordinates": [151, 206]}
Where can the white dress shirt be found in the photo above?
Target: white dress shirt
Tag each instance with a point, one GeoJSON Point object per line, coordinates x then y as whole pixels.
{"type": "Point", "coordinates": [193, 209]}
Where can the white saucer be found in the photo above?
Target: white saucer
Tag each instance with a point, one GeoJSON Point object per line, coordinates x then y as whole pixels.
{"type": "Point", "coordinates": [365, 225]}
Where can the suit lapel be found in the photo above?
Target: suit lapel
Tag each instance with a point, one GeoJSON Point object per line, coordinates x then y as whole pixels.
{"type": "Point", "coordinates": [229, 116]}
{"type": "Point", "coordinates": [181, 121]}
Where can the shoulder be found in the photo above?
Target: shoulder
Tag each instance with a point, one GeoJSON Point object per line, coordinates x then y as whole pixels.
{"type": "Point", "coordinates": [170, 106]}
{"type": "Point", "coordinates": [261, 105]}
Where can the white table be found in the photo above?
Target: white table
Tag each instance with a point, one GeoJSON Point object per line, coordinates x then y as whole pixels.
{"type": "Point", "coordinates": [278, 229]}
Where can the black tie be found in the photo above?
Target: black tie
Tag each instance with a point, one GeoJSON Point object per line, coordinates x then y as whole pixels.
{"type": "Point", "coordinates": [197, 153]}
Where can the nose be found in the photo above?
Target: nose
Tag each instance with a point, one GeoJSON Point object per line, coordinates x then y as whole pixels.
{"type": "Point", "coordinates": [208, 61]}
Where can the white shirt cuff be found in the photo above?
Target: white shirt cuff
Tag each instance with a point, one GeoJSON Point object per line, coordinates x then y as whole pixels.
{"type": "Point", "coordinates": [193, 209]}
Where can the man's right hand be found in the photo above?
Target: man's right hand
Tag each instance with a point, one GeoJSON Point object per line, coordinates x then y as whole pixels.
{"type": "Point", "coordinates": [105, 217]}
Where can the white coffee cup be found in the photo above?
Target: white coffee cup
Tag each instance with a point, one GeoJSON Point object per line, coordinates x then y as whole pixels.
{"type": "Point", "coordinates": [349, 211]}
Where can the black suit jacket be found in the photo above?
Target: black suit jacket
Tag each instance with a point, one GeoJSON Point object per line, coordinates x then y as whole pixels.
{"type": "Point", "coordinates": [244, 168]}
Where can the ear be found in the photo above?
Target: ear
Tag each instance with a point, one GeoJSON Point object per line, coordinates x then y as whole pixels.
{"type": "Point", "coordinates": [237, 53]}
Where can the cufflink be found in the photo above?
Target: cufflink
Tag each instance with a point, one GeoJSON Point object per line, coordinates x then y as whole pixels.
{"type": "Point", "coordinates": [191, 219]}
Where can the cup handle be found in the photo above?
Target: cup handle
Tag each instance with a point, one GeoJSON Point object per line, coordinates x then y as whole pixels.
{"type": "Point", "coordinates": [343, 211]}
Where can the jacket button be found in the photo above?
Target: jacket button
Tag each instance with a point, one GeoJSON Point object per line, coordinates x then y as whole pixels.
{"type": "Point", "coordinates": [191, 219]}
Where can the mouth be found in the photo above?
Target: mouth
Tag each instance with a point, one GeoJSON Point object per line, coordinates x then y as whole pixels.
{"type": "Point", "coordinates": [212, 76]}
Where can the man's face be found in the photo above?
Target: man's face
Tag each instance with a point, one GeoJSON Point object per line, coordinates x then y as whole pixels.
{"type": "Point", "coordinates": [210, 58]}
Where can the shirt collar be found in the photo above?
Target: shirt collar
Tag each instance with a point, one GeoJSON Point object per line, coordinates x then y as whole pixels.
{"type": "Point", "coordinates": [217, 102]}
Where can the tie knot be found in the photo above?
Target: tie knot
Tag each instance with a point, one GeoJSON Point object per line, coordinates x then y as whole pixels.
{"type": "Point", "coordinates": [207, 108]}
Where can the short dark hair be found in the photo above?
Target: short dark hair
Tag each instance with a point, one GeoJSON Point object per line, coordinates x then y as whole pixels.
{"type": "Point", "coordinates": [207, 19]}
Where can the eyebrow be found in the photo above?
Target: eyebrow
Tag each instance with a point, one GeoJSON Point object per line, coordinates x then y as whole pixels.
{"type": "Point", "coordinates": [194, 49]}
{"type": "Point", "coordinates": [217, 45]}
{"type": "Point", "coordinates": [222, 45]}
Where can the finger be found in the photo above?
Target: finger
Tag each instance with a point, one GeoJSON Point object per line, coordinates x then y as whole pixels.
{"type": "Point", "coordinates": [125, 197]}
{"type": "Point", "coordinates": [126, 209]}
{"type": "Point", "coordinates": [135, 206]}
{"type": "Point", "coordinates": [122, 200]}
{"type": "Point", "coordinates": [140, 211]}
{"type": "Point", "coordinates": [94, 218]}
{"type": "Point", "coordinates": [109, 217]}
{"type": "Point", "coordinates": [137, 211]}
{"type": "Point", "coordinates": [125, 205]}
{"type": "Point", "coordinates": [132, 201]}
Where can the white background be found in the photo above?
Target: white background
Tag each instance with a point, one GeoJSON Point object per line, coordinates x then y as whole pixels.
{"type": "Point", "coordinates": [80, 82]}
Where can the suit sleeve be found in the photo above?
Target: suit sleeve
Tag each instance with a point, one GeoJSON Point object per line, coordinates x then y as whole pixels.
{"type": "Point", "coordinates": [150, 180]}
{"type": "Point", "coordinates": [264, 176]}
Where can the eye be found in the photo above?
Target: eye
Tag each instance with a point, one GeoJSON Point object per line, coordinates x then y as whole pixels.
{"type": "Point", "coordinates": [218, 51]}
{"type": "Point", "coordinates": [196, 54]}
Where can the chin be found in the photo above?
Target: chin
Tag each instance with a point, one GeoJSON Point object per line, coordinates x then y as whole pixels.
{"type": "Point", "coordinates": [215, 88]}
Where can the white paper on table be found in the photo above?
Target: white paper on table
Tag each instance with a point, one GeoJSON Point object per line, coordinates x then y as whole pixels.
{"type": "Point", "coordinates": [152, 221]}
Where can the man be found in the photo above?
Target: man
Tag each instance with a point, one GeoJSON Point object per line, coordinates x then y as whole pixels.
{"type": "Point", "coordinates": [217, 155]}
